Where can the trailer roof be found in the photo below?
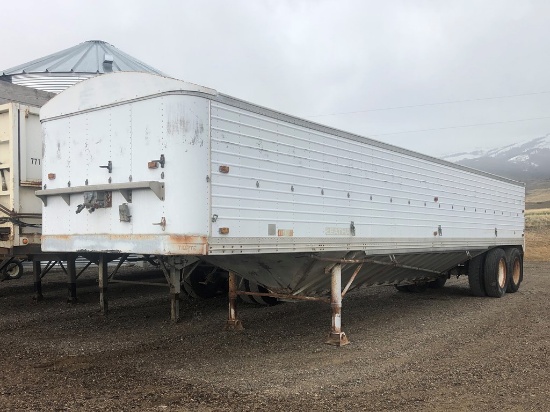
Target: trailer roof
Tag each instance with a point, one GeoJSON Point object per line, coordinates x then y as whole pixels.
{"type": "Point", "coordinates": [117, 88]}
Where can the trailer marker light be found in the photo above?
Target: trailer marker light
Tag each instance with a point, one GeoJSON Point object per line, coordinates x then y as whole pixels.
{"type": "Point", "coordinates": [152, 165]}
{"type": "Point", "coordinates": [51, 176]}
{"type": "Point", "coordinates": [224, 169]}
{"type": "Point", "coordinates": [223, 230]}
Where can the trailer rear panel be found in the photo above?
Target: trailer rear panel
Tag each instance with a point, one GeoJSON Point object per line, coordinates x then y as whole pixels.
{"type": "Point", "coordinates": [21, 175]}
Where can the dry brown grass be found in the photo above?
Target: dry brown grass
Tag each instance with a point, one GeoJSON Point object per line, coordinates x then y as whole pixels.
{"type": "Point", "coordinates": [537, 198]}
{"type": "Point", "coordinates": [538, 195]}
{"type": "Point", "coordinates": [537, 234]}
{"type": "Point", "coordinates": [537, 219]}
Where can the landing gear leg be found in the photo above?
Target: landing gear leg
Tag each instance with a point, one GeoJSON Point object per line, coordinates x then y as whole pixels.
{"type": "Point", "coordinates": [336, 336]}
{"type": "Point", "coordinates": [232, 322]}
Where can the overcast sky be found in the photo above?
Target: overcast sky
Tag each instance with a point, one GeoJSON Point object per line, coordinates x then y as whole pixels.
{"type": "Point", "coordinates": [333, 62]}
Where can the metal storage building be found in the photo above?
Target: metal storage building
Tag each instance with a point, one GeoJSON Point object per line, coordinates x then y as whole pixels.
{"type": "Point", "coordinates": [57, 71]}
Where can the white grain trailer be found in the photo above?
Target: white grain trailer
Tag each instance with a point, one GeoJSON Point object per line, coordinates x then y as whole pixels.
{"type": "Point", "coordinates": [138, 163]}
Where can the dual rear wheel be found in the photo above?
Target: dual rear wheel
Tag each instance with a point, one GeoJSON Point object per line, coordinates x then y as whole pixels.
{"type": "Point", "coordinates": [496, 272]}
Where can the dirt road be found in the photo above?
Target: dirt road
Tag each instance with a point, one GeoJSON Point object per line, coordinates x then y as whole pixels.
{"type": "Point", "coordinates": [440, 350]}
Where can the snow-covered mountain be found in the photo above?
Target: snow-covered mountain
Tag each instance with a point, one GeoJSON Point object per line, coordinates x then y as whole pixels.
{"type": "Point", "coordinates": [520, 161]}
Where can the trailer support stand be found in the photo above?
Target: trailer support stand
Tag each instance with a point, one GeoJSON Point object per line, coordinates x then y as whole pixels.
{"type": "Point", "coordinates": [37, 275]}
{"type": "Point", "coordinates": [71, 275]}
{"type": "Point", "coordinates": [336, 336]}
{"type": "Point", "coordinates": [103, 283]}
{"type": "Point", "coordinates": [232, 322]}
{"type": "Point", "coordinates": [175, 289]}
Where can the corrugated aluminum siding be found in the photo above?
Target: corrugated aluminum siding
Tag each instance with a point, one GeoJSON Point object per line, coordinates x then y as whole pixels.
{"type": "Point", "coordinates": [316, 184]}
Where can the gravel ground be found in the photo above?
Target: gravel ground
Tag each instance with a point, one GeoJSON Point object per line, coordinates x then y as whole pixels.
{"type": "Point", "coordinates": [436, 351]}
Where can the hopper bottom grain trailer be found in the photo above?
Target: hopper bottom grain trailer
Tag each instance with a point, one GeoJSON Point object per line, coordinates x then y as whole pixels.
{"type": "Point", "coordinates": [138, 163]}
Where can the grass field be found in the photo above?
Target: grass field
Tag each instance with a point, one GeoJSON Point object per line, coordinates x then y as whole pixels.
{"type": "Point", "coordinates": [537, 234]}
{"type": "Point", "coordinates": [538, 195]}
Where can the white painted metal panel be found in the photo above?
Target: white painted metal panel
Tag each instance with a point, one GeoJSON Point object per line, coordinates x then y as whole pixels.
{"type": "Point", "coordinates": [311, 185]}
{"type": "Point", "coordinates": [130, 135]}
{"type": "Point", "coordinates": [20, 165]}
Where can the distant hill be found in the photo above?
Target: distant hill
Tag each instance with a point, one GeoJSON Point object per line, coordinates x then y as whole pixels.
{"type": "Point", "coordinates": [526, 162]}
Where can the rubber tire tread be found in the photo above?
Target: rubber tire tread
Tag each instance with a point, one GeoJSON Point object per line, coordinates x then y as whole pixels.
{"type": "Point", "coordinates": [475, 275]}
{"type": "Point", "coordinates": [490, 273]}
{"type": "Point", "coordinates": [511, 255]}
{"type": "Point", "coordinates": [19, 272]}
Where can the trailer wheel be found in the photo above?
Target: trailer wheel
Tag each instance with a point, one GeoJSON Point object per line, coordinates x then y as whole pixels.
{"type": "Point", "coordinates": [475, 275]}
{"type": "Point", "coordinates": [495, 278]}
{"type": "Point", "coordinates": [514, 260]}
{"type": "Point", "coordinates": [13, 270]}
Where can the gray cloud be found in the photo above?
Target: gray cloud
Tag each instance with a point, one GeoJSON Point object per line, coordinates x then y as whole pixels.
{"type": "Point", "coordinates": [323, 57]}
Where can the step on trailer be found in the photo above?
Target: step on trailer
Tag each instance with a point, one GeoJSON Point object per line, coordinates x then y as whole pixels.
{"type": "Point", "coordinates": [138, 163]}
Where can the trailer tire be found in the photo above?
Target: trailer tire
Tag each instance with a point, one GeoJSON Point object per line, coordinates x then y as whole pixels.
{"type": "Point", "coordinates": [494, 276]}
{"type": "Point", "coordinates": [514, 260]}
{"type": "Point", "coordinates": [13, 270]}
{"type": "Point", "coordinates": [475, 275]}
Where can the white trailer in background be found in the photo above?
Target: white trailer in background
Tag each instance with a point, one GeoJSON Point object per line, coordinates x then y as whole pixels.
{"type": "Point", "coordinates": [20, 177]}
{"type": "Point", "coordinates": [162, 167]}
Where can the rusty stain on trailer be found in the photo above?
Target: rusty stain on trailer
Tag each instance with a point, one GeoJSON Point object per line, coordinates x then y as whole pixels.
{"type": "Point", "coordinates": [185, 244]}
{"type": "Point", "coordinates": [32, 183]}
